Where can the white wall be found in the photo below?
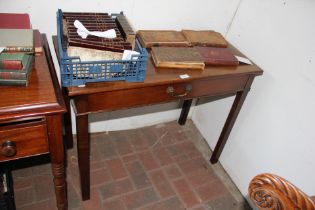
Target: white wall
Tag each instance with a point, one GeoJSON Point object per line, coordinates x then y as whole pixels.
{"type": "Point", "coordinates": [143, 14]}
{"type": "Point", "coordinates": [275, 129]}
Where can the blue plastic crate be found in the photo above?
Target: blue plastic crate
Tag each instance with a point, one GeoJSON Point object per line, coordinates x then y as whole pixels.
{"type": "Point", "coordinates": [75, 72]}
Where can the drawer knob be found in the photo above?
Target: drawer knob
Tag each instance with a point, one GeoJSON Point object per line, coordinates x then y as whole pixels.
{"type": "Point", "coordinates": [170, 90]}
{"type": "Point", "coordinates": [8, 148]}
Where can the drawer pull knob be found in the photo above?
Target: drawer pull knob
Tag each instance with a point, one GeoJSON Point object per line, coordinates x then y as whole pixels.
{"type": "Point", "coordinates": [171, 92]}
{"type": "Point", "coordinates": [8, 148]}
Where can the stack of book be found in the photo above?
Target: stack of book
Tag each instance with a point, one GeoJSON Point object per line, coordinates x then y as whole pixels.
{"type": "Point", "coordinates": [18, 44]}
{"type": "Point", "coordinates": [188, 49]}
{"type": "Point", "coordinates": [15, 68]}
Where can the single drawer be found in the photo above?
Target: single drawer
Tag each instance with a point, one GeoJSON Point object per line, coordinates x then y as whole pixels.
{"type": "Point", "coordinates": [23, 139]}
{"type": "Point", "coordinates": [126, 98]}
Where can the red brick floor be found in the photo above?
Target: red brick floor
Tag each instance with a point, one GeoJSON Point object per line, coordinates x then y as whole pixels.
{"type": "Point", "coordinates": [151, 168]}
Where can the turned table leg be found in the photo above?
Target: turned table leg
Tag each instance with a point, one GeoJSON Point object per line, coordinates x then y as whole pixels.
{"type": "Point", "coordinates": [57, 156]}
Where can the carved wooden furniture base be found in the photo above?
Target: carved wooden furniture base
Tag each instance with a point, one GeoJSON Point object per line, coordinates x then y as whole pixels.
{"type": "Point", "coordinates": [268, 191]}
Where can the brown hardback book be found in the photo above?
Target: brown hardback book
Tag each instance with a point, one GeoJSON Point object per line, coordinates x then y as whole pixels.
{"type": "Point", "coordinates": [205, 38]}
{"type": "Point", "coordinates": [217, 56]}
{"type": "Point", "coordinates": [20, 77]}
{"type": "Point", "coordinates": [177, 57]}
{"type": "Point", "coordinates": [161, 38]}
{"type": "Point", "coordinates": [12, 61]}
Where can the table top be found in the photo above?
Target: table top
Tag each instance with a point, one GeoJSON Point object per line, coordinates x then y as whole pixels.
{"type": "Point", "coordinates": [41, 96]}
{"type": "Point", "coordinates": [159, 76]}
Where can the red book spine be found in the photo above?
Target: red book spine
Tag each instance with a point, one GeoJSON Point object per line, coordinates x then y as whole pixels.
{"type": "Point", "coordinates": [12, 75]}
{"type": "Point", "coordinates": [11, 64]}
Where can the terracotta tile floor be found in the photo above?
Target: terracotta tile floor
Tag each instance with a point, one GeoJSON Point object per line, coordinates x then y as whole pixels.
{"type": "Point", "coordinates": [157, 167]}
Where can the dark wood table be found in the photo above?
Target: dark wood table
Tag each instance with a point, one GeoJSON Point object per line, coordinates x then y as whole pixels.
{"type": "Point", "coordinates": [160, 86]}
{"type": "Point", "coordinates": [31, 121]}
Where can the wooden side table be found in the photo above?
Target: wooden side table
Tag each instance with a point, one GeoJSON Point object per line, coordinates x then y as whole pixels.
{"type": "Point", "coordinates": [31, 121]}
{"type": "Point", "coordinates": [161, 85]}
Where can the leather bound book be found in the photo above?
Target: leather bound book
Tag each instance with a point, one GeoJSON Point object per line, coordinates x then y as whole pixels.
{"type": "Point", "coordinates": [17, 40]}
{"type": "Point", "coordinates": [177, 57]}
{"type": "Point", "coordinates": [15, 20]}
{"type": "Point", "coordinates": [13, 82]}
{"type": "Point", "coordinates": [11, 61]}
{"type": "Point", "coordinates": [205, 38]}
{"type": "Point", "coordinates": [20, 77]}
{"type": "Point", "coordinates": [155, 38]}
{"type": "Point", "coordinates": [217, 56]}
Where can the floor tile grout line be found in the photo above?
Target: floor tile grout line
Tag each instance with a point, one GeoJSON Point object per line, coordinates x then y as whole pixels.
{"type": "Point", "coordinates": [101, 164]}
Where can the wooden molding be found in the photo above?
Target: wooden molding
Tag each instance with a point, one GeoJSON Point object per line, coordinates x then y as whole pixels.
{"type": "Point", "coordinates": [271, 192]}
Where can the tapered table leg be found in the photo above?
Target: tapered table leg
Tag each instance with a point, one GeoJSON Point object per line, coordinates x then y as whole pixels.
{"type": "Point", "coordinates": [83, 143]}
{"type": "Point", "coordinates": [235, 109]}
{"type": "Point", "coordinates": [184, 113]}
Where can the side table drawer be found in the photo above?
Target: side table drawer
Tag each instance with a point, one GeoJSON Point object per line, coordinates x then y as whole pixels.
{"type": "Point", "coordinates": [23, 139]}
{"type": "Point", "coordinates": [126, 98]}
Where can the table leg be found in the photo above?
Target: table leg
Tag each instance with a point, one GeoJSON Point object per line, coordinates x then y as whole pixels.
{"type": "Point", "coordinates": [184, 113]}
{"type": "Point", "coordinates": [83, 143]}
{"type": "Point", "coordinates": [235, 109]}
{"type": "Point", "coordinates": [67, 119]}
{"type": "Point", "coordinates": [57, 156]}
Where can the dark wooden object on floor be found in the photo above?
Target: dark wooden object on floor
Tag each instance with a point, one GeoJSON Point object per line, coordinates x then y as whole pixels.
{"type": "Point", "coordinates": [268, 191]}
{"type": "Point", "coordinates": [160, 86]}
{"type": "Point", "coordinates": [30, 121]}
